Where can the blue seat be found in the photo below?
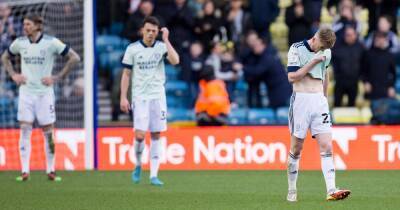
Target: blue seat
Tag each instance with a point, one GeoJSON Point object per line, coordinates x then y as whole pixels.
{"type": "Point", "coordinates": [116, 28]}
{"type": "Point", "coordinates": [242, 86]}
{"type": "Point", "coordinates": [397, 85]}
{"type": "Point", "coordinates": [179, 114]}
{"type": "Point", "coordinates": [177, 88]}
{"type": "Point", "coordinates": [171, 72]}
{"type": "Point", "coordinates": [265, 116]}
{"type": "Point", "coordinates": [108, 43]}
{"type": "Point", "coordinates": [238, 117]}
{"type": "Point", "coordinates": [282, 115]}
{"type": "Point", "coordinates": [115, 58]}
{"type": "Point", "coordinates": [7, 112]}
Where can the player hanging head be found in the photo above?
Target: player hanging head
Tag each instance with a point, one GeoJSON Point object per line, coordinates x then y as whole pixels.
{"type": "Point", "coordinates": [37, 52]}
{"type": "Point", "coordinates": [308, 61]}
{"type": "Point", "coordinates": [144, 65]}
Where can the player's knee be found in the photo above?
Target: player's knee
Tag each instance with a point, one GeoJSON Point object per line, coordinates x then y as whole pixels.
{"type": "Point", "coordinates": [155, 135]}
{"type": "Point", "coordinates": [326, 148]}
{"type": "Point", "coordinates": [26, 130]}
{"type": "Point", "coordinates": [47, 128]}
{"type": "Point", "coordinates": [139, 136]}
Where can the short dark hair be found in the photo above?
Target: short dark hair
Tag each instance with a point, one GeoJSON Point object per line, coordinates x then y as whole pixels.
{"type": "Point", "coordinates": [36, 19]}
{"type": "Point", "coordinates": [152, 20]}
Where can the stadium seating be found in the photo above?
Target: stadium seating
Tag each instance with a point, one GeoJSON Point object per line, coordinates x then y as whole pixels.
{"type": "Point", "coordinates": [180, 114]}
{"type": "Point", "coordinates": [282, 115]}
{"type": "Point", "coordinates": [171, 72]}
{"type": "Point", "coordinates": [347, 115]}
{"type": "Point", "coordinates": [238, 116]}
{"type": "Point", "coordinates": [265, 116]}
{"type": "Point", "coordinates": [177, 88]}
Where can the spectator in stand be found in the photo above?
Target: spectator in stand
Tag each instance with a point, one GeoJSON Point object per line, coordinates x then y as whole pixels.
{"type": "Point", "coordinates": [132, 27]}
{"type": "Point", "coordinates": [212, 105]}
{"type": "Point", "coordinates": [263, 65]}
{"type": "Point", "coordinates": [347, 60]}
{"type": "Point", "coordinates": [298, 22]}
{"type": "Point", "coordinates": [314, 8]}
{"type": "Point", "coordinates": [180, 21]}
{"type": "Point", "coordinates": [347, 19]}
{"type": "Point", "coordinates": [207, 26]}
{"type": "Point", "coordinates": [10, 28]}
{"type": "Point", "coordinates": [379, 70]}
{"type": "Point", "coordinates": [192, 64]}
{"type": "Point", "coordinates": [71, 104]}
{"type": "Point", "coordinates": [378, 8]}
{"type": "Point", "coordinates": [226, 68]}
{"type": "Point", "coordinates": [384, 26]}
{"type": "Point", "coordinates": [237, 21]}
{"type": "Point", "coordinates": [263, 13]}
{"type": "Point", "coordinates": [196, 6]}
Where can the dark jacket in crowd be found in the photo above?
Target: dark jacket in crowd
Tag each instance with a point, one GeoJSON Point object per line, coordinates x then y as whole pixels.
{"type": "Point", "coordinates": [386, 7]}
{"type": "Point", "coordinates": [204, 34]}
{"type": "Point", "coordinates": [299, 27]}
{"type": "Point", "coordinates": [379, 69]}
{"type": "Point", "coordinates": [269, 69]}
{"type": "Point", "coordinates": [263, 13]}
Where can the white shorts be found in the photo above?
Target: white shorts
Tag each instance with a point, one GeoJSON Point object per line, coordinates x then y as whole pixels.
{"type": "Point", "coordinates": [150, 115]}
{"type": "Point", "coordinates": [309, 111]}
{"type": "Point", "coordinates": [40, 107]}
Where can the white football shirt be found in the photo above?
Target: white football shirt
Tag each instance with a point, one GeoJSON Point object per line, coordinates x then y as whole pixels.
{"type": "Point", "coordinates": [147, 65]}
{"type": "Point", "coordinates": [37, 60]}
{"type": "Point", "coordinates": [300, 54]}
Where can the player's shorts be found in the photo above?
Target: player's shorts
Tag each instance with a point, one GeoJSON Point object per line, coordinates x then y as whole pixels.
{"type": "Point", "coordinates": [309, 110]}
{"type": "Point", "coordinates": [150, 115]}
{"type": "Point", "coordinates": [40, 107]}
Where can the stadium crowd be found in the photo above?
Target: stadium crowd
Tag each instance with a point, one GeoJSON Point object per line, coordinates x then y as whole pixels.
{"type": "Point", "coordinates": [234, 38]}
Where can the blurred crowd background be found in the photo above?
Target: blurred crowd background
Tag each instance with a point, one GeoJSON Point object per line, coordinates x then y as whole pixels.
{"type": "Point", "coordinates": [234, 52]}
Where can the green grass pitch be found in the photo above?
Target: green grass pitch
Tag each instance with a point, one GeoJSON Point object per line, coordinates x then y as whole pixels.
{"type": "Point", "coordinates": [197, 190]}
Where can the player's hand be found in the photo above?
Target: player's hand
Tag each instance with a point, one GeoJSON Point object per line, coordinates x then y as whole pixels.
{"type": "Point", "coordinates": [319, 58]}
{"type": "Point", "coordinates": [124, 105]}
{"type": "Point", "coordinates": [165, 34]}
{"type": "Point", "coordinates": [19, 79]}
{"type": "Point", "coordinates": [49, 81]}
{"type": "Point", "coordinates": [391, 92]}
{"type": "Point", "coordinates": [367, 87]}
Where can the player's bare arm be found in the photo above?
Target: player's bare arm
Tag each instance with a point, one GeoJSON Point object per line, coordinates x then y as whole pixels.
{"type": "Point", "coordinates": [124, 102]}
{"type": "Point", "coordinates": [173, 56]}
{"type": "Point", "coordinates": [73, 59]}
{"type": "Point", "coordinates": [16, 77]}
{"type": "Point", "coordinates": [302, 72]}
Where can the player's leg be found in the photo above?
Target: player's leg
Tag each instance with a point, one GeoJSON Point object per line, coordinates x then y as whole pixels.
{"type": "Point", "coordinates": [322, 131]}
{"type": "Point", "coordinates": [158, 124]}
{"type": "Point", "coordinates": [46, 116]}
{"type": "Point", "coordinates": [328, 167]}
{"type": "Point", "coordinates": [298, 125]}
{"type": "Point", "coordinates": [296, 146]}
{"type": "Point", "coordinates": [140, 111]}
{"type": "Point", "coordinates": [155, 156]}
{"type": "Point", "coordinates": [25, 117]}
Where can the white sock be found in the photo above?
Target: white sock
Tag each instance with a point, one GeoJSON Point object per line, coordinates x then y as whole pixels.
{"type": "Point", "coordinates": [139, 146]}
{"type": "Point", "coordinates": [328, 169]}
{"type": "Point", "coordinates": [293, 171]}
{"type": "Point", "coordinates": [154, 157]}
{"type": "Point", "coordinates": [25, 146]}
{"type": "Point", "coordinates": [49, 148]}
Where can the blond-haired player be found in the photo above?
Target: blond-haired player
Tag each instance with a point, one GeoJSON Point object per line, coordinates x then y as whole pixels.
{"type": "Point", "coordinates": [307, 71]}
{"type": "Point", "coordinates": [36, 95]}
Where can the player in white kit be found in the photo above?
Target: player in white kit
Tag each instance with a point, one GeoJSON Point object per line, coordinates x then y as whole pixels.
{"type": "Point", "coordinates": [36, 95]}
{"type": "Point", "coordinates": [308, 61]}
{"type": "Point", "coordinates": [144, 64]}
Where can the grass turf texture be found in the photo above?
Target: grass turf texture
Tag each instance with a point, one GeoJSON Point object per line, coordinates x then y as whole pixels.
{"type": "Point", "coordinates": [197, 190]}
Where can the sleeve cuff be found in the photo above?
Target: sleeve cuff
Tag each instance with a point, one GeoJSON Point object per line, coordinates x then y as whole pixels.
{"type": "Point", "coordinates": [9, 52]}
{"type": "Point", "coordinates": [292, 68]}
{"type": "Point", "coordinates": [65, 51]}
{"type": "Point", "coordinates": [127, 66]}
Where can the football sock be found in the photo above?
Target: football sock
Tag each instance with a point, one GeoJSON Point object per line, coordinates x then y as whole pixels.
{"type": "Point", "coordinates": [25, 146]}
{"type": "Point", "coordinates": [154, 157]}
{"type": "Point", "coordinates": [292, 170]}
{"type": "Point", "coordinates": [49, 147]}
{"type": "Point", "coordinates": [139, 146]}
{"type": "Point", "coordinates": [328, 169]}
